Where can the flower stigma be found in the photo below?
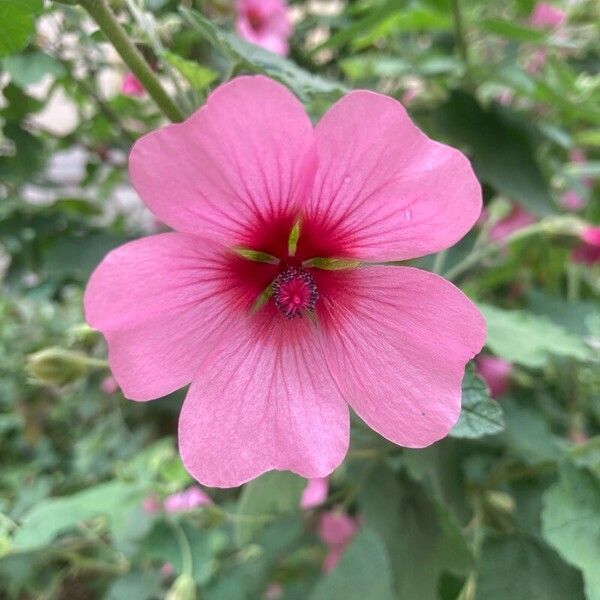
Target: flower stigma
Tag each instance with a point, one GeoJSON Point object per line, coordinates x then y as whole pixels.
{"type": "Point", "coordinates": [295, 292]}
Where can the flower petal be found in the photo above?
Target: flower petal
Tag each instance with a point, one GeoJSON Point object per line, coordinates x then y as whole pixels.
{"type": "Point", "coordinates": [163, 302]}
{"type": "Point", "coordinates": [383, 188]}
{"type": "Point", "coordinates": [264, 401]}
{"type": "Point", "coordinates": [246, 157]}
{"type": "Point", "coordinates": [397, 340]}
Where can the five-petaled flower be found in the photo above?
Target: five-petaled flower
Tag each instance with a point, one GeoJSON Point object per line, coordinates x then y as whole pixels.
{"type": "Point", "coordinates": [265, 23]}
{"type": "Point", "coordinates": [276, 348]}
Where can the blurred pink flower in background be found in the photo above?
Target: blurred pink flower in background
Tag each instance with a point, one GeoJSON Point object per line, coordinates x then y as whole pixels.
{"type": "Point", "coordinates": [167, 570]}
{"type": "Point", "coordinates": [315, 493]}
{"type": "Point", "coordinates": [151, 505]}
{"type": "Point", "coordinates": [109, 385]}
{"type": "Point", "coordinates": [274, 591]}
{"type": "Point", "coordinates": [265, 23]}
{"type": "Point", "coordinates": [588, 253]}
{"type": "Point", "coordinates": [546, 16]}
{"type": "Point", "coordinates": [571, 199]}
{"type": "Point", "coordinates": [269, 390]}
{"type": "Point", "coordinates": [131, 85]}
{"type": "Point", "coordinates": [496, 373]}
{"type": "Point", "coordinates": [187, 500]}
{"type": "Point", "coordinates": [515, 220]}
{"type": "Point", "coordinates": [543, 16]}
{"type": "Point", "coordinates": [336, 530]}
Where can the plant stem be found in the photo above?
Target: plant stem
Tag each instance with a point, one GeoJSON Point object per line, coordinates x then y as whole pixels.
{"type": "Point", "coordinates": [459, 35]}
{"type": "Point", "coordinates": [479, 254]}
{"type": "Point", "coordinates": [106, 20]}
{"type": "Point", "coordinates": [184, 548]}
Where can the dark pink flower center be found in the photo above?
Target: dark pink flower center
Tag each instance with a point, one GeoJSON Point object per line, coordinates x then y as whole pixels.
{"type": "Point", "coordinates": [295, 292]}
{"type": "Point", "coordinates": [256, 20]}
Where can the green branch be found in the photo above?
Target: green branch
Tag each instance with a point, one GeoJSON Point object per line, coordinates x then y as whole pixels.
{"type": "Point", "coordinates": [132, 57]}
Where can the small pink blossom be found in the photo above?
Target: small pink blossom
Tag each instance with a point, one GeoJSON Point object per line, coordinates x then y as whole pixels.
{"type": "Point", "coordinates": [572, 200]}
{"type": "Point", "coordinates": [132, 86]}
{"type": "Point", "coordinates": [265, 23]}
{"type": "Point", "coordinates": [315, 493]}
{"type": "Point", "coordinates": [274, 591]}
{"type": "Point", "coordinates": [150, 505]}
{"type": "Point", "coordinates": [588, 252]}
{"type": "Point", "coordinates": [109, 385]}
{"type": "Point", "coordinates": [546, 16]}
{"type": "Point", "coordinates": [496, 373]}
{"type": "Point", "coordinates": [276, 351]}
{"type": "Point", "coordinates": [187, 500]}
{"type": "Point", "coordinates": [336, 530]}
{"type": "Point", "coordinates": [167, 570]}
{"type": "Point", "coordinates": [543, 16]}
{"type": "Point", "coordinates": [515, 220]}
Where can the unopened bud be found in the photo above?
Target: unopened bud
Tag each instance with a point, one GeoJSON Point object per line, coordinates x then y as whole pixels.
{"type": "Point", "coordinates": [57, 366]}
{"type": "Point", "coordinates": [183, 588]}
{"type": "Point", "coordinates": [501, 501]}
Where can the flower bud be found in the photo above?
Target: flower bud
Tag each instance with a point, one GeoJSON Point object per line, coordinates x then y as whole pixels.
{"type": "Point", "coordinates": [57, 366]}
{"type": "Point", "coordinates": [183, 588]}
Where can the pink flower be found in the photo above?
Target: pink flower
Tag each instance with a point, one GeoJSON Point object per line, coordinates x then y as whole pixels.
{"type": "Point", "coordinates": [546, 16]}
{"type": "Point", "coordinates": [131, 86]}
{"type": "Point", "coordinates": [496, 373]}
{"type": "Point", "coordinates": [543, 16]}
{"type": "Point", "coordinates": [109, 385]}
{"type": "Point", "coordinates": [588, 253]}
{"type": "Point", "coordinates": [150, 505]}
{"type": "Point", "coordinates": [336, 530]}
{"type": "Point", "coordinates": [186, 500]}
{"type": "Point", "coordinates": [265, 23]}
{"type": "Point", "coordinates": [167, 570]}
{"type": "Point", "coordinates": [270, 389]}
{"type": "Point", "coordinates": [578, 157]}
{"type": "Point", "coordinates": [315, 493]}
{"type": "Point", "coordinates": [515, 220]}
{"type": "Point", "coordinates": [571, 200]}
{"type": "Point", "coordinates": [274, 591]}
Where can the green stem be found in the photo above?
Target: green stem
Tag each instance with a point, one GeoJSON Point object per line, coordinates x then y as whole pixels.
{"type": "Point", "coordinates": [483, 252]}
{"type": "Point", "coordinates": [184, 548]}
{"type": "Point", "coordinates": [459, 35]}
{"type": "Point", "coordinates": [106, 20]}
{"type": "Point", "coordinates": [439, 261]}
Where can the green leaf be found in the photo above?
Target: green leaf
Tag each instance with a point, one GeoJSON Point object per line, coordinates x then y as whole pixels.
{"type": "Point", "coordinates": [30, 67]}
{"type": "Point", "coordinates": [499, 144]}
{"type": "Point", "coordinates": [571, 315]}
{"type": "Point", "coordinates": [513, 31]}
{"type": "Point", "coordinates": [480, 415]}
{"type": "Point", "coordinates": [362, 26]}
{"type": "Point", "coordinates": [17, 23]}
{"type": "Point", "coordinates": [54, 516]}
{"type": "Point", "coordinates": [571, 522]}
{"type": "Point", "coordinates": [141, 585]}
{"type": "Point", "coordinates": [363, 572]}
{"type": "Point", "coordinates": [588, 137]}
{"type": "Point", "coordinates": [520, 567]}
{"type": "Point", "coordinates": [198, 76]}
{"type": "Point", "coordinates": [274, 493]}
{"type": "Point", "coordinates": [423, 538]}
{"type": "Point", "coordinates": [257, 60]}
{"type": "Point", "coordinates": [164, 546]}
{"type": "Point", "coordinates": [527, 339]}
{"type": "Point", "coordinates": [529, 436]}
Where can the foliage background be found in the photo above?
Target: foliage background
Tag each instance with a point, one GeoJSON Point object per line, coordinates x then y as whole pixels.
{"type": "Point", "coordinates": [507, 507]}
